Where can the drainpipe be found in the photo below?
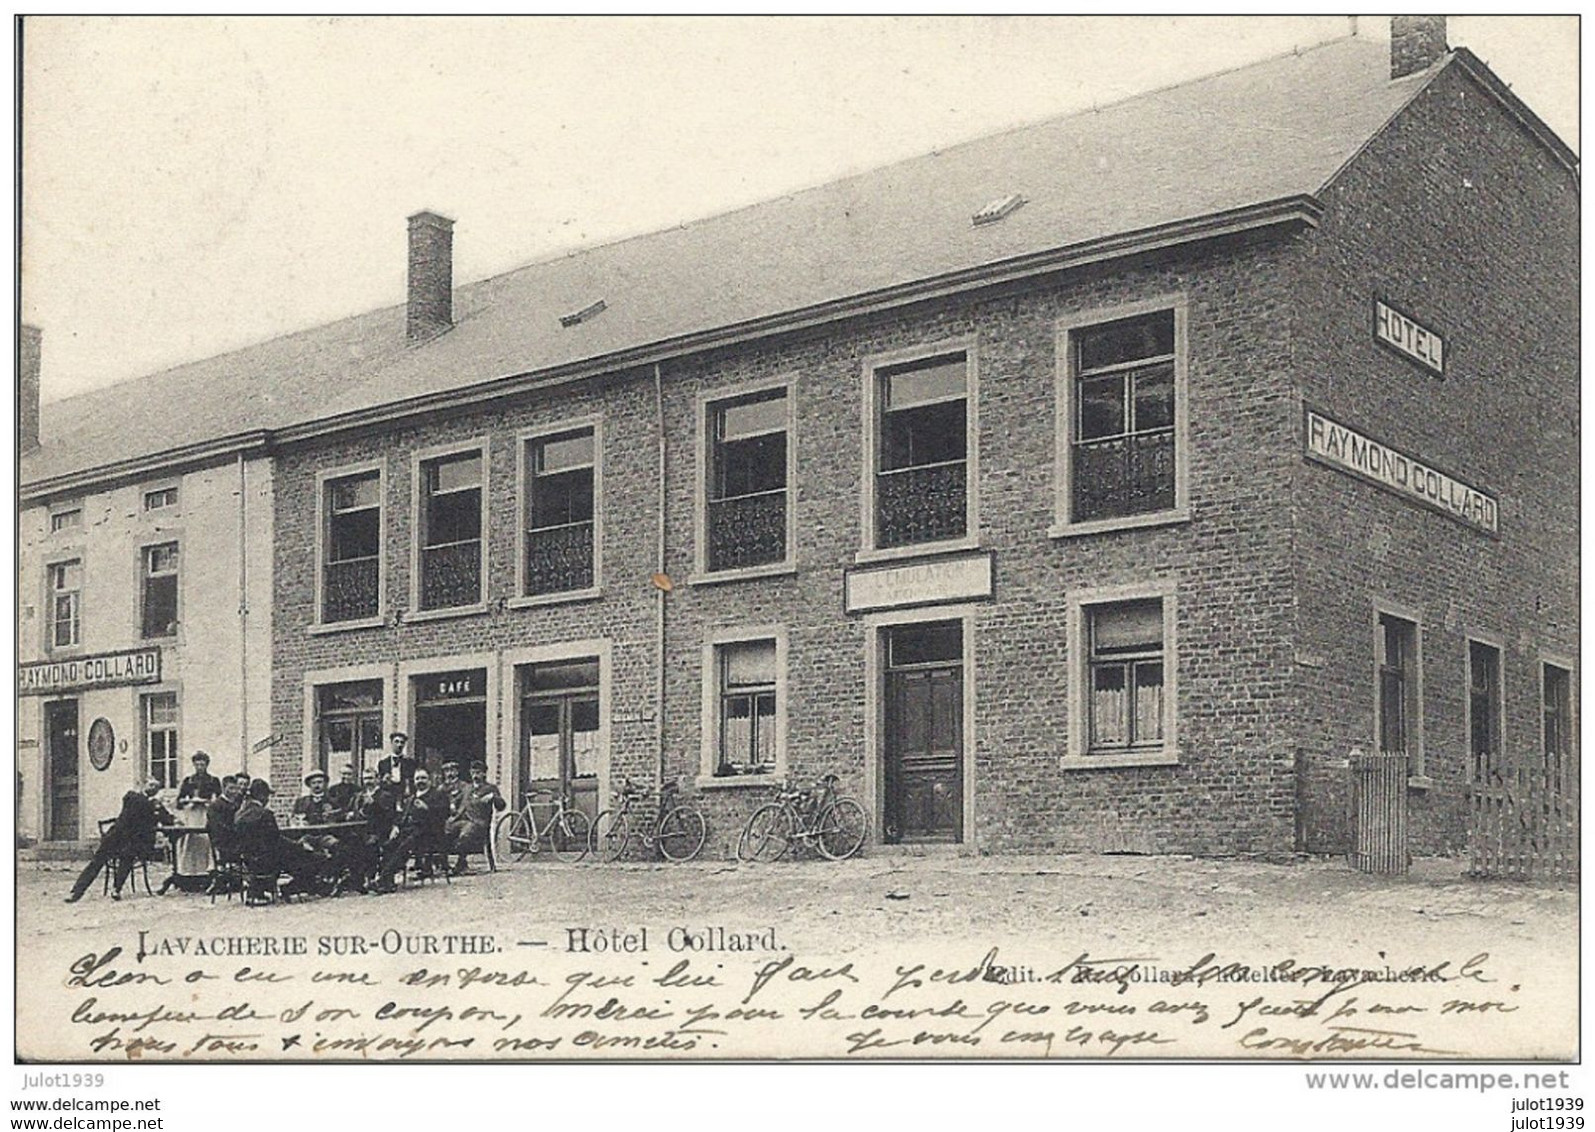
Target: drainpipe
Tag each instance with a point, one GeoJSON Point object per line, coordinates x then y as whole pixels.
{"type": "Point", "coordinates": [243, 617]}
{"type": "Point", "coordinates": [659, 591]}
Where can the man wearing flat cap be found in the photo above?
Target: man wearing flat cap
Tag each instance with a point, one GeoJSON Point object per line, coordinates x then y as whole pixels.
{"type": "Point", "coordinates": [399, 766]}
{"type": "Point", "coordinates": [473, 819]}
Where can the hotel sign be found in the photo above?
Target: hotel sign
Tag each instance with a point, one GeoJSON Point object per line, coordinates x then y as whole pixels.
{"type": "Point", "coordinates": [108, 670]}
{"type": "Point", "coordinates": [920, 583]}
{"type": "Point", "coordinates": [1408, 337]}
{"type": "Point", "coordinates": [1349, 451]}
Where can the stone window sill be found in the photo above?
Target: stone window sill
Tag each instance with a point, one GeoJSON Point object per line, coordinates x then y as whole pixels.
{"type": "Point", "coordinates": [1128, 523]}
{"type": "Point", "coordinates": [1122, 759]}
{"type": "Point", "coordinates": [531, 601]}
{"type": "Point", "coordinates": [445, 614]}
{"type": "Point", "coordinates": [739, 781]}
{"type": "Point", "coordinates": [746, 574]}
{"type": "Point", "coordinates": [324, 627]}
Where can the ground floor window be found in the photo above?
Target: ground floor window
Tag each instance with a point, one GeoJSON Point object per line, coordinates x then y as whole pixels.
{"type": "Point", "coordinates": [1484, 715]}
{"type": "Point", "coordinates": [1557, 695]}
{"type": "Point", "coordinates": [747, 717]}
{"type": "Point", "coordinates": [1397, 647]}
{"type": "Point", "coordinates": [348, 726]}
{"type": "Point", "coordinates": [160, 739]}
{"type": "Point", "coordinates": [1126, 675]}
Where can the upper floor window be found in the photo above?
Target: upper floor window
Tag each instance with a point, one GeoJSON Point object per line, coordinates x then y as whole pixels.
{"type": "Point", "coordinates": [160, 497]}
{"type": "Point", "coordinates": [66, 604]}
{"type": "Point", "coordinates": [1556, 690]}
{"type": "Point", "coordinates": [560, 545]}
{"type": "Point", "coordinates": [922, 451]}
{"type": "Point", "coordinates": [1484, 715]}
{"type": "Point", "coordinates": [1398, 687]}
{"type": "Point", "coordinates": [1122, 442]}
{"type": "Point", "coordinates": [451, 530]}
{"type": "Point", "coordinates": [159, 596]}
{"type": "Point", "coordinates": [161, 758]}
{"type": "Point", "coordinates": [68, 519]}
{"type": "Point", "coordinates": [351, 580]}
{"type": "Point", "coordinates": [746, 520]}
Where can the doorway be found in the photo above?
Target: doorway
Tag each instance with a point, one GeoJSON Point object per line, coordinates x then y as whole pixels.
{"type": "Point", "coordinates": [61, 761]}
{"type": "Point", "coordinates": [451, 719]}
{"type": "Point", "coordinates": [924, 733]}
{"type": "Point", "coordinates": [559, 747]}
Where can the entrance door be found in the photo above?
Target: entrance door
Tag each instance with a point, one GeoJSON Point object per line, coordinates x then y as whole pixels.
{"type": "Point", "coordinates": [559, 731]}
{"type": "Point", "coordinates": [924, 772]}
{"type": "Point", "coordinates": [61, 755]}
{"type": "Point", "coordinates": [451, 720]}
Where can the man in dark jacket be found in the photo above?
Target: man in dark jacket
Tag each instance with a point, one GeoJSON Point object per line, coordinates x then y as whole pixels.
{"type": "Point", "coordinates": [473, 816]}
{"type": "Point", "coordinates": [219, 817]}
{"type": "Point", "coordinates": [129, 839]}
{"type": "Point", "coordinates": [342, 795]}
{"type": "Point", "coordinates": [398, 766]}
{"type": "Point", "coordinates": [264, 848]}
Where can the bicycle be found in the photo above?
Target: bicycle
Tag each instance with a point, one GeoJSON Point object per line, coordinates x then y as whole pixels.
{"type": "Point", "coordinates": [834, 826]}
{"type": "Point", "coordinates": [678, 833]}
{"type": "Point", "coordinates": [566, 835]}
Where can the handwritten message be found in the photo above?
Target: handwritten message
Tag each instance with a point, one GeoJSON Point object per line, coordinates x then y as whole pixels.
{"type": "Point", "coordinates": [654, 991]}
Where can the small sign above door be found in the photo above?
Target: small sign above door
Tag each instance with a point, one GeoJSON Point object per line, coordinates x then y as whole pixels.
{"type": "Point", "coordinates": [470, 684]}
{"type": "Point", "coordinates": [960, 578]}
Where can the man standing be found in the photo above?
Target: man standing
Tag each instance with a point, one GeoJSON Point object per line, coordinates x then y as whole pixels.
{"type": "Point", "coordinates": [473, 820]}
{"type": "Point", "coordinates": [130, 838]}
{"type": "Point", "coordinates": [398, 766]}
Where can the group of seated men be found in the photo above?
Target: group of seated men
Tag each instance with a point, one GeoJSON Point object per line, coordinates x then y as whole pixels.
{"type": "Point", "coordinates": [395, 815]}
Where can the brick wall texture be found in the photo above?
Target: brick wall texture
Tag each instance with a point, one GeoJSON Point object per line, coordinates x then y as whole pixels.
{"type": "Point", "coordinates": [1452, 213]}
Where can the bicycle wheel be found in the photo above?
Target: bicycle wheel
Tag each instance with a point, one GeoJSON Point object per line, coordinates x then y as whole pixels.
{"type": "Point", "coordinates": [513, 837]}
{"type": "Point", "coordinates": [611, 835]}
{"type": "Point", "coordinates": [571, 836]}
{"type": "Point", "coordinates": [681, 834]}
{"type": "Point", "coordinates": [767, 835]}
{"type": "Point", "coordinates": [839, 830]}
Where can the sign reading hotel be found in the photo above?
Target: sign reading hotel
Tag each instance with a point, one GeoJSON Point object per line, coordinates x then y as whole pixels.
{"type": "Point", "coordinates": [962, 578]}
{"type": "Point", "coordinates": [108, 670]}
{"type": "Point", "coordinates": [1408, 337]}
{"type": "Point", "coordinates": [1340, 447]}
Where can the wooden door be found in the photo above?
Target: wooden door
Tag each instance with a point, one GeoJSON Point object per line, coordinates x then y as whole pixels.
{"type": "Point", "coordinates": [559, 747]}
{"type": "Point", "coordinates": [61, 756]}
{"type": "Point", "coordinates": [924, 754]}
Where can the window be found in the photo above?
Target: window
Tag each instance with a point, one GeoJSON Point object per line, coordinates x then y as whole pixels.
{"type": "Point", "coordinates": [1484, 711]}
{"type": "Point", "coordinates": [349, 726]}
{"type": "Point", "coordinates": [1122, 458]}
{"type": "Point", "coordinates": [160, 590]}
{"type": "Point", "coordinates": [351, 578]}
{"type": "Point", "coordinates": [451, 531]}
{"type": "Point", "coordinates": [746, 672]}
{"type": "Point", "coordinates": [921, 457]}
{"type": "Point", "coordinates": [65, 610]}
{"type": "Point", "coordinates": [160, 738]}
{"type": "Point", "coordinates": [1398, 688]}
{"type": "Point", "coordinates": [746, 520]}
{"type": "Point", "coordinates": [1556, 684]}
{"type": "Point", "coordinates": [67, 520]}
{"type": "Point", "coordinates": [159, 498]}
{"type": "Point", "coordinates": [561, 509]}
{"type": "Point", "coordinates": [1125, 680]}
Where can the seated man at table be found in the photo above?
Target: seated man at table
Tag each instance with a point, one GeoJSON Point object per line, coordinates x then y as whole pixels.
{"type": "Point", "coordinates": [422, 821]}
{"type": "Point", "coordinates": [313, 807]}
{"type": "Point", "coordinates": [265, 849]}
{"type": "Point", "coordinates": [219, 816]}
{"type": "Point", "coordinates": [130, 838]}
{"type": "Point", "coordinates": [473, 817]}
{"type": "Point", "coordinates": [341, 795]}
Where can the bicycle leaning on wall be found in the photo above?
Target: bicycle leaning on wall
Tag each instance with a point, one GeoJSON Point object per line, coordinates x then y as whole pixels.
{"type": "Point", "coordinates": [817, 816]}
{"type": "Point", "coordinates": [678, 833]}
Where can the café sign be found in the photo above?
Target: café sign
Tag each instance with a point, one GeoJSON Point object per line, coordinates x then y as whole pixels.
{"type": "Point", "coordinates": [962, 578]}
{"type": "Point", "coordinates": [80, 674]}
{"type": "Point", "coordinates": [1350, 451]}
{"type": "Point", "coordinates": [1408, 337]}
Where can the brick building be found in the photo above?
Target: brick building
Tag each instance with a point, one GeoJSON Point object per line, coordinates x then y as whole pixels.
{"type": "Point", "coordinates": [1098, 485]}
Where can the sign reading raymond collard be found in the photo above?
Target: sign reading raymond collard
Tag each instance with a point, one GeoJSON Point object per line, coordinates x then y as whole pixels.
{"type": "Point", "coordinates": [630, 539]}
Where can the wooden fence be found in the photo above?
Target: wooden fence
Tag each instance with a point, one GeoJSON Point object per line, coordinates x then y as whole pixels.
{"type": "Point", "coordinates": [1379, 813]}
{"type": "Point", "coordinates": [1521, 827]}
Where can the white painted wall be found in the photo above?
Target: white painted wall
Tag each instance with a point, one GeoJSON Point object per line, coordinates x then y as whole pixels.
{"type": "Point", "coordinates": [219, 664]}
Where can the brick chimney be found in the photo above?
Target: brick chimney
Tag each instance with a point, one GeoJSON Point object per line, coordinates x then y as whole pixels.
{"type": "Point", "coordinates": [29, 342]}
{"type": "Point", "coordinates": [1415, 43]}
{"type": "Point", "coordinates": [431, 286]}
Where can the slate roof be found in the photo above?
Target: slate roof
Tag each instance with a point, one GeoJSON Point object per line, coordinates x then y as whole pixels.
{"type": "Point", "coordinates": [1272, 130]}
